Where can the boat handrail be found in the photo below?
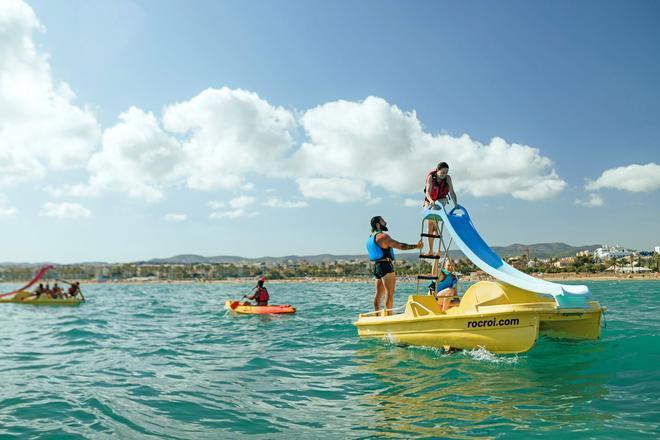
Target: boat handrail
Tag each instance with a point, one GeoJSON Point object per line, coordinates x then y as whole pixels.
{"type": "Point", "coordinates": [378, 312]}
{"type": "Point", "coordinates": [402, 307]}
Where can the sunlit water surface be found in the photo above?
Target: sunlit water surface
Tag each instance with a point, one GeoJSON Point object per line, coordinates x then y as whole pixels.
{"type": "Point", "coordinates": [167, 361]}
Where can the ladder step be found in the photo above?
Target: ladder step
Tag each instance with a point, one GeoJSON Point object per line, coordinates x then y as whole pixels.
{"type": "Point", "coordinates": [430, 257]}
{"type": "Point", "coordinates": [427, 277]}
{"type": "Point", "coordinates": [430, 235]}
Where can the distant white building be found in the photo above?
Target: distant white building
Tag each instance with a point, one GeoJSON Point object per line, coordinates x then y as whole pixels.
{"type": "Point", "coordinates": [608, 252]}
{"type": "Point", "coordinates": [657, 249]}
{"type": "Point", "coordinates": [628, 269]}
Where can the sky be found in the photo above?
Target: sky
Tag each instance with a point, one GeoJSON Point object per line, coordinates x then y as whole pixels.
{"type": "Point", "coordinates": [133, 129]}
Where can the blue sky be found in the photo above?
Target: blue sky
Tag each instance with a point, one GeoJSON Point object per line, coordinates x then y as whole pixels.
{"type": "Point", "coordinates": [276, 128]}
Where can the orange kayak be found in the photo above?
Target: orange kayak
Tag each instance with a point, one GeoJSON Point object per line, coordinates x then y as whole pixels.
{"type": "Point", "coordinates": [248, 309]}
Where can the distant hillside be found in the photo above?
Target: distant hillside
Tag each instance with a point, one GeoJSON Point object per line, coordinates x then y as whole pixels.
{"type": "Point", "coordinates": [538, 250]}
{"type": "Point", "coordinates": [543, 250]}
{"type": "Point", "coordinates": [231, 259]}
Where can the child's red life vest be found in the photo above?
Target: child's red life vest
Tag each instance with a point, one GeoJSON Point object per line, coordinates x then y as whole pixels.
{"type": "Point", "coordinates": [439, 189]}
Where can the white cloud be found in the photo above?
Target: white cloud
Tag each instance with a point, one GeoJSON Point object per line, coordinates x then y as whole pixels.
{"type": "Point", "coordinates": [225, 135]}
{"type": "Point", "coordinates": [216, 204]}
{"type": "Point", "coordinates": [336, 189]}
{"type": "Point", "coordinates": [65, 210]}
{"type": "Point", "coordinates": [376, 143]}
{"type": "Point", "coordinates": [175, 218]}
{"type": "Point", "coordinates": [137, 158]}
{"type": "Point", "coordinates": [232, 214]}
{"type": "Point", "coordinates": [232, 132]}
{"type": "Point", "coordinates": [40, 128]}
{"type": "Point", "coordinates": [593, 201]}
{"type": "Point", "coordinates": [413, 203]}
{"type": "Point", "coordinates": [211, 141]}
{"type": "Point", "coordinates": [56, 192]}
{"type": "Point", "coordinates": [236, 208]}
{"type": "Point", "coordinates": [7, 212]}
{"type": "Point", "coordinates": [277, 203]}
{"type": "Point", "coordinates": [241, 202]}
{"type": "Point", "coordinates": [222, 137]}
{"type": "Point", "coordinates": [634, 178]}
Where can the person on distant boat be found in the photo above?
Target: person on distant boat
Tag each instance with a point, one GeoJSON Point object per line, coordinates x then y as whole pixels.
{"type": "Point", "coordinates": [57, 291]}
{"type": "Point", "coordinates": [39, 290]}
{"type": "Point", "coordinates": [47, 291]}
{"type": "Point", "coordinates": [381, 251]}
{"type": "Point", "coordinates": [260, 294]}
{"type": "Point", "coordinates": [438, 186]}
{"type": "Point", "coordinates": [446, 287]}
{"type": "Point", "coordinates": [74, 289]}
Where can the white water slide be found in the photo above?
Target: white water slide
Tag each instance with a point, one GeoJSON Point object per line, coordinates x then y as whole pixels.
{"type": "Point", "coordinates": [459, 225]}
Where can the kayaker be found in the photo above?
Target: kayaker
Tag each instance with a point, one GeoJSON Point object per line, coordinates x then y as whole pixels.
{"type": "Point", "coordinates": [260, 295]}
{"type": "Point", "coordinates": [446, 287]}
{"type": "Point", "coordinates": [381, 251]}
{"type": "Point", "coordinates": [437, 187]}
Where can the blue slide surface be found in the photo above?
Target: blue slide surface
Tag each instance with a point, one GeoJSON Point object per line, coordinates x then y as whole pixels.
{"type": "Point", "coordinates": [458, 223]}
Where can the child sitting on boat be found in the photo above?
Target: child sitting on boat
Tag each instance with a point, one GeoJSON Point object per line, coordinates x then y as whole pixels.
{"type": "Point", "coordinates": [446, 287]}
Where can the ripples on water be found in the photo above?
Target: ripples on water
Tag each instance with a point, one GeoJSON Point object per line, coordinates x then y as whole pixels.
{"type": "Point", "coordinates": [168, 362]}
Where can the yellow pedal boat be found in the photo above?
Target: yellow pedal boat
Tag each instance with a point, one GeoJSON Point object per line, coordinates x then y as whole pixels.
{"type": "Point", "coordinates": [25, 297]}
{"type": "Point", "coordinates": [498, 317]}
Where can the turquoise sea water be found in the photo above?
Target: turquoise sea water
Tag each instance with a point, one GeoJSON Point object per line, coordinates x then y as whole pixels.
{"type": "Point", "coordinates": [166, 361]}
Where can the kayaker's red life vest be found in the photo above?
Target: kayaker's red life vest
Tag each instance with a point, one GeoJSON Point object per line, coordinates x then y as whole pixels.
{"type": "Point", "coordinates": [439, 189]}
{"type": "Point", "coordinates": [262, 295]}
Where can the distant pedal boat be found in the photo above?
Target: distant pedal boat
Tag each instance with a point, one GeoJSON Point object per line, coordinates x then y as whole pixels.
{"type": "Point", "coordinates": [25, 297]}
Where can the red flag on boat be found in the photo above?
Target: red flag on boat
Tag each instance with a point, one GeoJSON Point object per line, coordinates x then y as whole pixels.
{"type": "Point", "coordinates": [36, 279]}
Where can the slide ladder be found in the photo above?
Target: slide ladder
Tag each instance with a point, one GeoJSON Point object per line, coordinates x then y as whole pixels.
{"type": "Point", "coordinates": [437, 258]}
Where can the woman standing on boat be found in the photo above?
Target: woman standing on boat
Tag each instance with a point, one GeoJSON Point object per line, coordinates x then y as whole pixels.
{"type": "Point", "coordinates": [381, 251]}
{"type": "Point", "coordinates": [438, 187]}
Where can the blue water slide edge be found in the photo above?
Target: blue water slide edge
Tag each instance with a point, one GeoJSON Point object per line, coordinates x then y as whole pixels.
{"type": "Point", "coordinates": [465, 235]}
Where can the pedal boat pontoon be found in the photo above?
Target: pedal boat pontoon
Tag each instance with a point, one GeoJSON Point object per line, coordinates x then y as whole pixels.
{"type": "Point", "coordinates": [496, 316]}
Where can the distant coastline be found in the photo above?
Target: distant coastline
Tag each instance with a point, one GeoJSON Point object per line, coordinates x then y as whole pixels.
{"type": "Point", "coordinates": [369, 280]}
